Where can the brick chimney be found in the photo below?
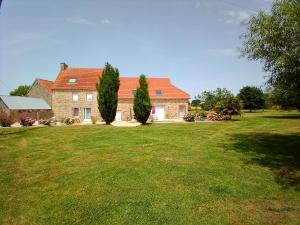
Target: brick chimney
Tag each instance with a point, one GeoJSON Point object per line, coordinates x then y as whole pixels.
{"type": "Point", "coordinates": [63, 66]}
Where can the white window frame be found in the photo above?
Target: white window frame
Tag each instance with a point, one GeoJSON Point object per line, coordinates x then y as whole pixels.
{"type": "Point", "coordinates": [89, 95]}
{"type": "Point", "coordinates": [74, 98]}
{"type": "Point", "coordinates": [72, 81]}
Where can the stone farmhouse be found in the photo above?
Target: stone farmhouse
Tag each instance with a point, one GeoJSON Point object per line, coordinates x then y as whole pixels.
{"type": "Point", "coordinates": [73, 94]}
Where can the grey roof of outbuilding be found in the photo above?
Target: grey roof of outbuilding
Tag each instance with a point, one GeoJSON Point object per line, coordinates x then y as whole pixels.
{"type": "Point", "coordinates": [18, 102]}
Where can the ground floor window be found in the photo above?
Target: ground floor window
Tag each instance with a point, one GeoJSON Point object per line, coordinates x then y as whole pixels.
{"type": "Point", "coordinates": [75, 112]}
{"type": "Point", "coordinates": [87, 114]}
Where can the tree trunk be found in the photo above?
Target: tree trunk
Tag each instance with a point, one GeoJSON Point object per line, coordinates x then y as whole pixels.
{"type": "Point", "coordinates": [250, 110]}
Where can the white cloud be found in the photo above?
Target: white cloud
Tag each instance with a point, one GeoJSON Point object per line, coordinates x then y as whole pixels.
{"type": "Point", "coordinates": [238, 17]}
{"type": "Point", "coordinates": [201, 4]}
{"type": "Point", "coordinates": [79, 20]}
{"type": "Point", "coordinates": [106, 21]}
{"type": "Point", "coordinates": [224, 51]}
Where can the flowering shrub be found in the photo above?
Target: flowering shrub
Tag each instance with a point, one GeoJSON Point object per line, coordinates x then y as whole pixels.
{"type": "Point", "coordinates": [5, 121]}
{"type": "Point", "coordinates": [69, 121]}
{"type": "Point", "coordinates": [27, 121]}
{"type": "Point", "coordinates": [189, 117]}
{"type": "Point", "coordinates": [214, 116]}
{"type": "Point", "coordinates": [200, 115]}
{"type": "Point", "coordinates": [45, 122]}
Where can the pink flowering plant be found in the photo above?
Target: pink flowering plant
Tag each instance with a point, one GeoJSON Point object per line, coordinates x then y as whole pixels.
{"type": "Point", "coordinates": [189, 117]}
{"type": "Point", "coordinates": [27, 121]}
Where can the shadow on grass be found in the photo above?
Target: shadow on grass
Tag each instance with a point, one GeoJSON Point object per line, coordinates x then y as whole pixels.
{"type": "Point", "coordinates": [11, 131]}
{"type": "Point", "coordinates": [291, 116]}
{"type": "Point", "coordinates": [280, 153]}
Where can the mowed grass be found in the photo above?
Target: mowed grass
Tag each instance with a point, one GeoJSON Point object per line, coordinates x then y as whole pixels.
{"type": "Point", "coordinates": [241, 172]}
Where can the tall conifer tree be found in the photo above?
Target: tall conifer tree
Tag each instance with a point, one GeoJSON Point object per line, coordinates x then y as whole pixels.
{"type": "Point", "coordinates": [142, 103]}
{"type": "Point", "coordinates": [107, 88]}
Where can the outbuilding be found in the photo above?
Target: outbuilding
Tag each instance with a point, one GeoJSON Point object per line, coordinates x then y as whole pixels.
{"type": "Point", "coordinates": [18, 107]}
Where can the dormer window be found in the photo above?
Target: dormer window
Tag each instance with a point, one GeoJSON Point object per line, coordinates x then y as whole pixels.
{"type": "Point", "coordinates": [72, 80]}
{"type": "Point", "coordinates": [133, 92]}
{"type": "Point", "coordinates": [158, 93]}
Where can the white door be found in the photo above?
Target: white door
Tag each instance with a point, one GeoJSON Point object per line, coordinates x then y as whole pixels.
{"type": "Point", "coordinates": [87, 114]}
{"type": "Point", "coordinates": [181, 111]}
{"type": "Point", "coordinates": [119, 116]}
{"type": "Point", "coordinates": [160, 112]}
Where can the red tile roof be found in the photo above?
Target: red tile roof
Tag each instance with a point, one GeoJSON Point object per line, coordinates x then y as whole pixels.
{"type": "Point", "coordinates": [86, 79]}
{"type": "Point", "coordinates": [47, 84]}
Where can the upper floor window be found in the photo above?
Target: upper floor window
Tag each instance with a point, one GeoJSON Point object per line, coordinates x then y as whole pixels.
{"type": "Point", "coordinates": [72, 80]}
{"type": "Point", "coordinates": [75, 96]}
{"type": "Point", "coordinates": [133, 92]}
{"type": "Point", "coordinates": [89, 97]}
{"type": "Point", "coordinates": [158, 93]}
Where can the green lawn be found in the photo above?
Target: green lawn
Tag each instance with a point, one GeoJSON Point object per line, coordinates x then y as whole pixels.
{"type": "Point", "coordinates": [246, 171]}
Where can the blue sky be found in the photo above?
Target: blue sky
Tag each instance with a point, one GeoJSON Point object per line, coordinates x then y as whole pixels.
{"type": "Point", "coordinates": [194, 42]}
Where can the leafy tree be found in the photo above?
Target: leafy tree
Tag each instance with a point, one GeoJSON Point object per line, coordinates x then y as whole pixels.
{"type": "Point", "coordinates": [209, 99]}
{"type": "Point", "coordinates": [22, 90]}
{"type": "Point", "coordinates": [268, 99]}
{"type": "Point", "coordinates": [273, 39]}
{"type": "Point", "coordinates": [142, 103]}
{"type": "Point", "coordinates": [281, 96]}
{"type": "Point", "coordinates": [228, 106]}
{"type": "Point", "coordinates": [222, 101]}
{"type": "Point", "coordinates": [252, 98]}
{"type": "Point", "coordinates": [196, 102]}
{"type": "Point", "coordinates": [108, 87]}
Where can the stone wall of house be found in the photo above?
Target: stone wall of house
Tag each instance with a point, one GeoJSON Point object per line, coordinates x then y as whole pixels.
{"type": "Point", "coordinates": [171, 107]}
{"type": "Point", "coordinates": [38, 91]}
{"type": "Point", "coordinates": [63, 104]}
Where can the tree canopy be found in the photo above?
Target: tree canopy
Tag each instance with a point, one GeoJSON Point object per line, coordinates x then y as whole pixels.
{"type": "Point", "coordinates": [142, 103]}
{"type": "Point", "coordinates": [220, 100]}
{"type": "Point", "coordinates": [274, 39]}
{"type": "Point", "coordinates": [252, 98]}
{"type": "Point", "coordinates": [107, 88]}
{"type": "Point", "coordinates": [22, 90]}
